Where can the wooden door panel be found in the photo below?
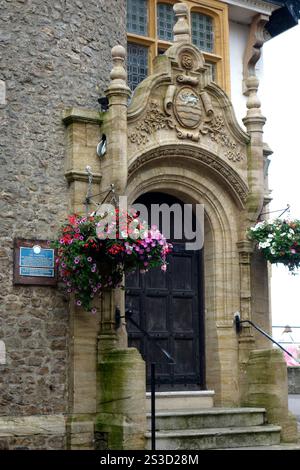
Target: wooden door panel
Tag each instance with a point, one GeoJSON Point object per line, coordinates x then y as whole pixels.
{"type": "Point", "coordinates": [133, 279]}
{"type": "Point", "coordinates": [169, 307]}
{"type": "Point", "coordinates": [183, 351]}
{"type": "Point", "coordinates": [155, 279]}
{"type": "Point", "coordinates": [183, 314]}
{"type": "Point", "coordinates": [181, 269]}
{"type": "Point", "coordinates": [156, 321]}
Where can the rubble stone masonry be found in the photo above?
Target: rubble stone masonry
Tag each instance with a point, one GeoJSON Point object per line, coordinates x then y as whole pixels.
{"type": "Point", "coordinates": [53, 55]}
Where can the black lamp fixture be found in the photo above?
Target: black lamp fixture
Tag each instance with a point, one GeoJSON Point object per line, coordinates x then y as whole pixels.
{"type": "Point", "coordinates": [103, 100]}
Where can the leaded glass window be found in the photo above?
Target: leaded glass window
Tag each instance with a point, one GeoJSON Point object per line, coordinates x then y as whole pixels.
{"type": "Point", "coordinates": [137, 17]}
{"type": "Point", "coordinates": [202, 31]}
{"type": "Point", "coordinates": [137, 64]}
{"type": "Point", "coordinates": [165, 21]}
{"type": "Point", "coordinates": [212, 70]}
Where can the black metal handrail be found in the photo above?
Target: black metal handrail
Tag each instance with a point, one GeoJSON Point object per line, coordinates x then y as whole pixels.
{"type": "Point", "coordinates": [128, 315]}
{"type": "Point", "coordinates": [238, 326]}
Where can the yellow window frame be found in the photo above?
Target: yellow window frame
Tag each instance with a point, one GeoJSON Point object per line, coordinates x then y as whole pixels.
{"type": "Point", "coordinates": [213, 8]}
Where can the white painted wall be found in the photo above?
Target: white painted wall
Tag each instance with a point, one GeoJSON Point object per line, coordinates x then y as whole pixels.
{"type": "Point", "coordinates": [238, 37]}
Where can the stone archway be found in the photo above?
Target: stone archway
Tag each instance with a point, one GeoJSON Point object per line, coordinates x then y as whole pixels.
{"type": "Point", "coordinates": [198, 184]}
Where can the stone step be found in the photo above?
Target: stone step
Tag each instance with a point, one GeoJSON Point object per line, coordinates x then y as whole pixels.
{"type": "Point", "coordinates": [167, 401]}
{"type": "Point", "coordinates": [216, 438]}
{"type": "Point", "coordinates": [208, 418]}
{"type": "Point", "coordinates": [273, 447]}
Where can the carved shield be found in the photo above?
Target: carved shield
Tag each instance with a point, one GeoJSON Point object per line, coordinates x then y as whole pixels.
{"type": "Point", "coordinates": [188, 107]}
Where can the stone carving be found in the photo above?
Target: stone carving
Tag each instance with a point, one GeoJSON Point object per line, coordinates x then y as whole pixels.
{"type": "Point", "coordinates": [238, 186]}
{"type": "Point", "coordinates": [191, 115]}
{"type": "Point", "coordinates": [188, 108]}
{"type": "Point", "coordinates": [216, 129]}
{"type": "Point", "coordinates": [187, 80]}
{"type": "Point", "coordinates": [153, 121]}
{"type": "Point", "coordinates": [187, 62]}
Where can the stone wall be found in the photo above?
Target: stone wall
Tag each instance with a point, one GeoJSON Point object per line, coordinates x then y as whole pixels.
{"type": "Point", "coordinates": [32, 433]}
{"type": "Point", "coordinates": [294, 380]}
{"type": "Point", "coordinates": [53, 55]}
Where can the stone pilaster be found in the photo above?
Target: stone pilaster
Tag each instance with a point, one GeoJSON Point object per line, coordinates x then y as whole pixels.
{"type": "Point", "coordinates": [121, 417]}
{"type": "Point", "coordinates": [114, 164]}
{"type": "Point", "coordinates": [246, 338]}
{"type": "Point", "coordinates": [254, 120]}
{"type": "Point", "coordinates": [227, 390]}
{"type": "Point", "coordinates": [107, 339]}
{"type": "Point", "coordinates": [268, 388]}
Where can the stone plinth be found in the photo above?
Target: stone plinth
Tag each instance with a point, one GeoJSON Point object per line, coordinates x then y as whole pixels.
{"type": "Point", "coordinates": [267, 387]}
{"type": "Point", "coordinates": [121, 422]}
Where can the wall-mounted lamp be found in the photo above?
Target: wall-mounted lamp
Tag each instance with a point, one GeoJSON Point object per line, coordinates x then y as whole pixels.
{"type": "Point", "coordinates": [102, 147]}
{"type": "Point", "coordinates": [104, 103]}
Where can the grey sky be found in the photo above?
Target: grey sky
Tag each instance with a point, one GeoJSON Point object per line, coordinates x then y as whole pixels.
{"type": "Point", "coordinates": [280, 96]}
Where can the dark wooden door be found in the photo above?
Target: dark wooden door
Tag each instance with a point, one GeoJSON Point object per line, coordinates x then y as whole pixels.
{"type": "Point", "coordinates": [169, 306]}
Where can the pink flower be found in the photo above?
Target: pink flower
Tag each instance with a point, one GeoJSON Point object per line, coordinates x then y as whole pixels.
{"type": "Point", "coordinates": [164, 267]}
{"type": "Point", "coordinates": [293, 251]}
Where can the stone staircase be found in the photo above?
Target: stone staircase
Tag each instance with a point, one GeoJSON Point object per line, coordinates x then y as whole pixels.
{"type": "Point", "coordinates": [194, 427]}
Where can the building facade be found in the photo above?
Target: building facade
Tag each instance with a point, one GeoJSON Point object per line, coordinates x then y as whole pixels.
{"type": "Point", "coordinates": [68, 379]}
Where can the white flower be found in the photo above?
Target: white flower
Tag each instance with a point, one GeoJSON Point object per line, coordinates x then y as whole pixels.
{"type": "Point", "coordinates": [259, 225]}
{"type": "Point", "coordinates": [272, 251]}
{"type": "Point", "coordinates": [283, 234]}
{"type": "Point", "coordinates": [290, 235]}
{"type": "Point", "coordinates": [291, 231]}
{"type": "Point", "coordinates": [270, 236]}
{"type": "Point", "coordinates": [264, 244]}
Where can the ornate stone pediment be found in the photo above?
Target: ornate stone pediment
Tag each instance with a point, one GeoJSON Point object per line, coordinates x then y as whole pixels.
{"type": "Point", "coordinates": [180, 102]}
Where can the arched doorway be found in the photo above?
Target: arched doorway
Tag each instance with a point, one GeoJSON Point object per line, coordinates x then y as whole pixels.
{"type": "Point", "coordinates": [170, 307]}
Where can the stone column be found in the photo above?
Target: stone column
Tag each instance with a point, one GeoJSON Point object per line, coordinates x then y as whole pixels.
{"type": "Point", "coordinates": [121, 394]}
{"type": "Point", "coordinates": [114, 165]}
{"type": "Point", "coordinates": [114, 171]}
{"type": "Point", "coordinates": [254, 122]}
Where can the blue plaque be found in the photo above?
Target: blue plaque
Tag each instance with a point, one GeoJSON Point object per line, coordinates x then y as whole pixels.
{"type": "Point", "coordinates": [34, 262]}
{"type": "Point", "coordinates": [36, 257]}
{"type": "Point", "coordinates": [39, 272]}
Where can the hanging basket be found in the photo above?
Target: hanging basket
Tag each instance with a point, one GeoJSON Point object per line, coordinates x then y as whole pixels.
{"type": "Point", "coordinates": [278, 241]}
{"type": "Point", "coordinates": [88, 264]}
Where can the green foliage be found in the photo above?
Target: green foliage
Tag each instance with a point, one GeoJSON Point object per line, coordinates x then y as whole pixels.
{"type": "Point", "coordinates": [279, 241]}
{"type": "Point", "coordinates": [94, 252]}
